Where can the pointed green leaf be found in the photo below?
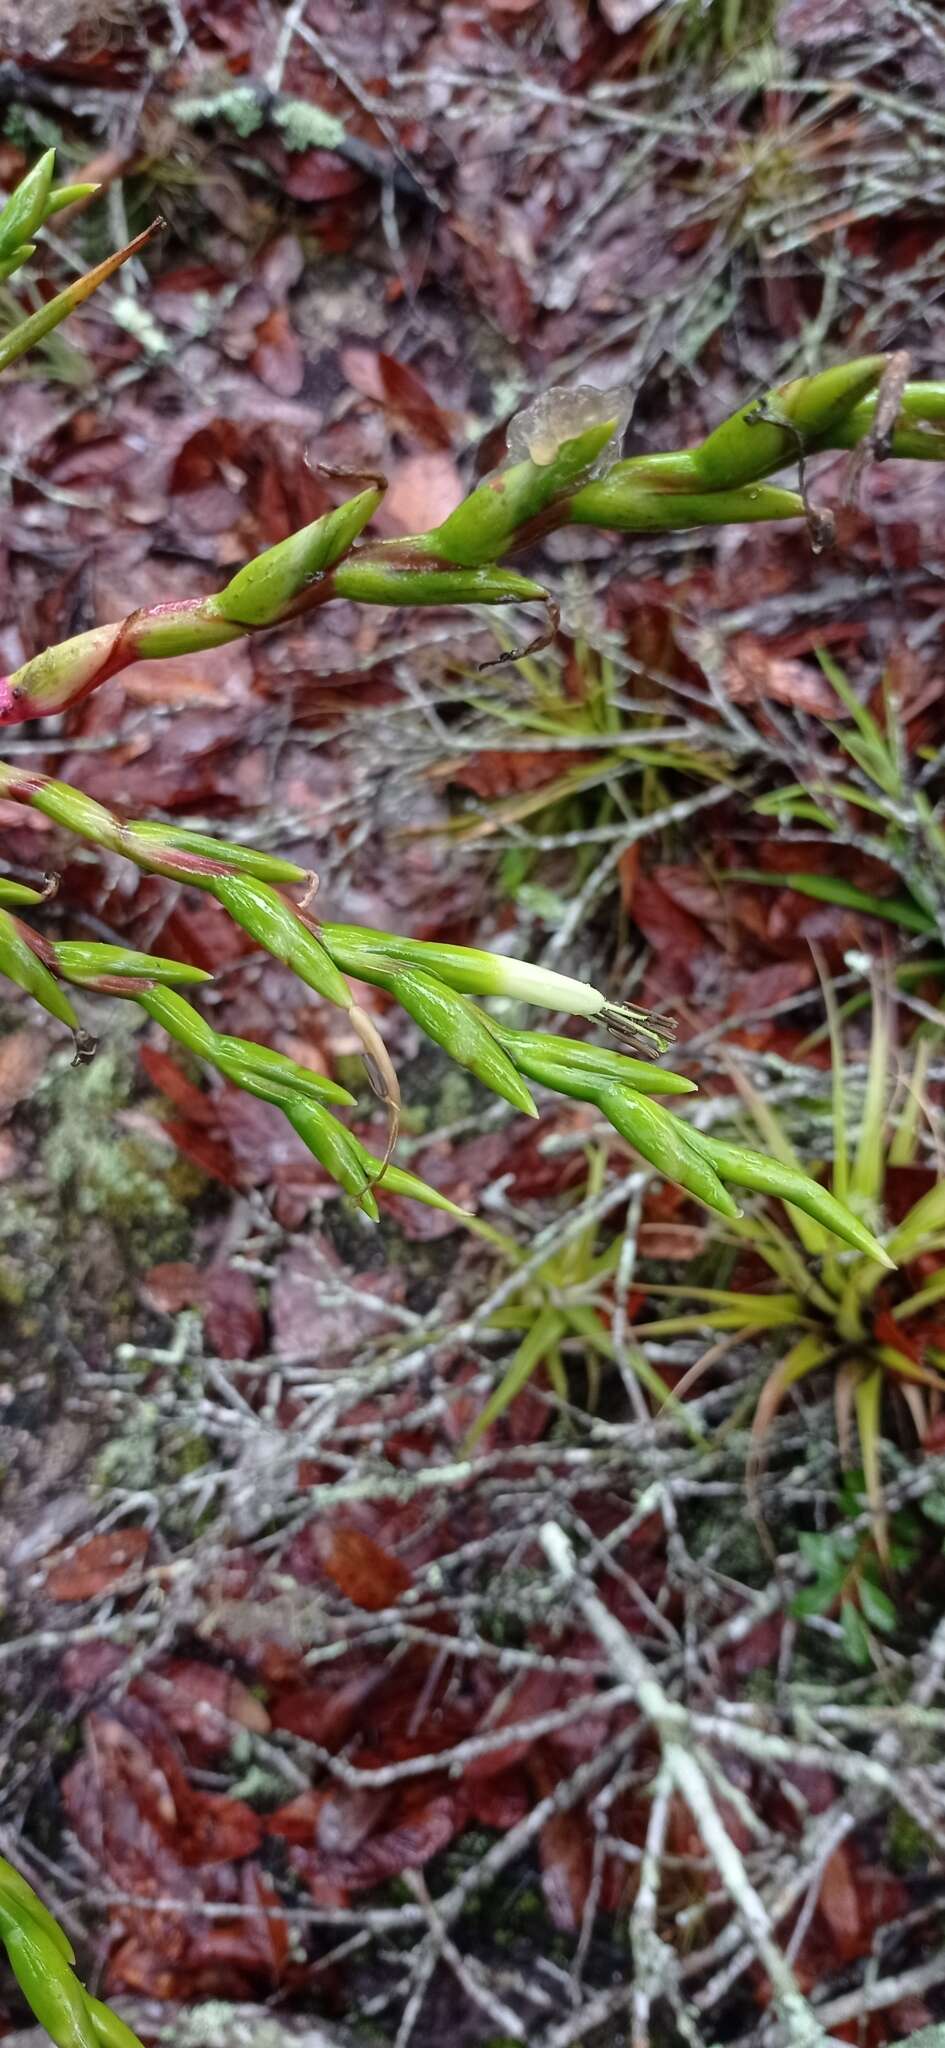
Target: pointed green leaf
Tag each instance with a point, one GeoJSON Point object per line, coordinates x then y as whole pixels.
{"type": "Point", "coordinates": [16, 259]}
{"type": "Point", "coordinates": [453, 1022]}
{"type": "Point", "coordinates": [276, 925]}
{"type": "Point", "coordinates": [665, 1141]}
{"type": "Point", "coordinates": [337, 1149]}
{"type": "Point", "coordinates": [539, 1053]}
{"type": "Point", "coordinates": [25, 209]}
{"type": "Point", "coordinates": [877, 1607]}
{"type": "Point", "coordinates": [51, 1990]}
{"type": "Point", "coordinates": [86, 962]}
{"type": "Point", "coordinates": [748, 1169]}
{"type": "Point", "coordinates": [67, 195]}
{"type": "Point", "coordinates": [856, 1639]}
{"type": "Point", "coordinates": [20, 963]}
{"type": "Point", "coordinates": [481, 527]}
{"type": "Point", "coordinates": [142, 837]}
{"type": "Point", "coordinates": [18, 1893]}
{"type": "Point", "coordinates": [374, 578]}
{"type": "Point", "coordinates": [111, 2030]}
{"type": "Point", "coordinates": [30, 331]}
{"type": "Point", "coordinates": [266, 589]}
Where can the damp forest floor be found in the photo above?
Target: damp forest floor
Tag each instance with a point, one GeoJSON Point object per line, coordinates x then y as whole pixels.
{"type": "Point", "coordinates": [319, 1727]}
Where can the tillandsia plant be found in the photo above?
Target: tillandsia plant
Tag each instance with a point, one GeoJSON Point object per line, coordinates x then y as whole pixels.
{"type": "Point", "coordinates": [35, 200]}
{"type": "Point", "coordinates": [558, 474]}
{"type": "Point", "coordinates": [42, 1959]}
{"type": "Point", "coordinates": [881, 1337]}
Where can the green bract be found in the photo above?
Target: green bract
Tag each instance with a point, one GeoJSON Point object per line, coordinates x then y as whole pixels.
{"type": "Point", "coordinates": [41, 1958]}
{"type": "Point", "coordinates": [265, 589]}
{"type": "Point", "coordinates": [481, 528]}
{"type": "Point", "coordinates": [456, 1024]}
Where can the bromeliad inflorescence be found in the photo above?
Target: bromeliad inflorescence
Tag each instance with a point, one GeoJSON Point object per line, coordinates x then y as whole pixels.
{"type": "Point", "coordinates": [556, 477]}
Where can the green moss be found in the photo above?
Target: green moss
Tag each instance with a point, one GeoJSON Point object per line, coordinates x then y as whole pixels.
{"type": "Point", "coordinates": [132, 1459]}
{"type": "Point", "coordinates": [908, 1847]}
{"type": "Point", "coordinates": [194, 1453]}
{"type": "Point", "coordinates": [106, 1170]}
{"type": "Point", "coordinates": [455, 1099]}
{"type": "Point", "coordinates": [14, 1287]}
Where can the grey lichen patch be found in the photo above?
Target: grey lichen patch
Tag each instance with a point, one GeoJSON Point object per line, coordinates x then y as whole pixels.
{"type": "Point", "coordinates": [218, 2024]}
{"type": "Point", "coordinates": [131, 1460]}
{"type": "Point", "coordinates": [302, 126]}
{"type": "Point", "coordinates": [307, 127]}
{"type": "Point", "coordinates": [239, 106]}
{"type": "Point", "coordinates": [100, 1168]}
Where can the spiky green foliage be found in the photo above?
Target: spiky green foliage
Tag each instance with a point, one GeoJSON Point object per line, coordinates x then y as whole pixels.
{"type": "Point", "coordinates": [879, 1338]}
{"type": "Point", "coordinates": [561, 476]}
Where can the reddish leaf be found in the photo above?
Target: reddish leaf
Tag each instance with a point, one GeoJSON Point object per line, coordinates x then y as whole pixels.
{"type": "Point", "coordinates": [418, 1827]}
{"type": "Point", "coordinates": [87, 1667]}
{"type": "Point", "coordinates": [423, 490]}
{"type": "Point", "coordinates": [839, 1903]}
{"type": "Point", "coordinates": [201, 1703]}
{"type": "Point", "coordinates": [217, 1829]}
{"type": "Point", "coordinates": [277, 359]}
{"type": "Point", "coordinates": [172, 1286]}
{"type": "Point", "coordinates": [23, 1056]}
{"type": "Point", "coordinates": [755, 670]}
{"type": "Point", "coordinates": [166, 1075]}
{"type": "Point", "coordinates": [499, 1802]}
{"type": "Point", "coordinates": [320, 174]}
{"type": "Point", "coordinates": [565, 1852]}
{"type": "Point", "coordinates": [369, 1576]}
{"type": "Point", "coordinates": [335, 1820]}
{"type": "Point", "coordinates": [212, 1155]}
{"type": "Point", "coordinates": [97, 1565]}
{"type": "Point", "coordinates": [677, 937]}
{"type": "Point", "coordinates": [671, 1241]}
{"type": "Point", "coordinates": [398, 387]}
{"type": "Point", "coordinates": [232, 1316]}
{"type": "Point", "coordinates": [494, 772]}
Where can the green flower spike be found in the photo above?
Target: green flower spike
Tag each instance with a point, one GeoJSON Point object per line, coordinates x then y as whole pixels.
{"type": "Point", "coordinates": [371, 956]}
{"type": "Point", "coordinates": [41, 1957]}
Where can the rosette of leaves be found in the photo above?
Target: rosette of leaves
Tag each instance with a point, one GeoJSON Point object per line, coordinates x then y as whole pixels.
{"type": "Point", "coordinates": [880, 1334]}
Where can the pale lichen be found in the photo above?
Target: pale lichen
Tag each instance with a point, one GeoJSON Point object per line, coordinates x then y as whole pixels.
{"type": "Point", "coordinates": [559, 415]}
